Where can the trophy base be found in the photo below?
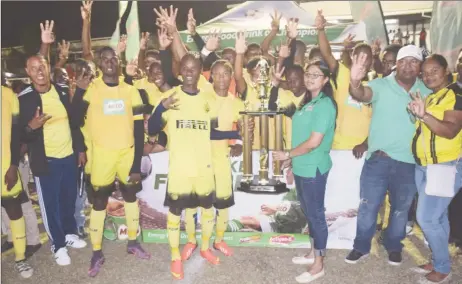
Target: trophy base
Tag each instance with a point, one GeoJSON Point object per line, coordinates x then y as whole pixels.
{"type": "Point", "coordinates": [272, 186]}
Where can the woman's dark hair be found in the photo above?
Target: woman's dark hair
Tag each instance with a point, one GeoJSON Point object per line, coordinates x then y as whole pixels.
{"type": "Point", "coordinates": [326, 90]}
{"type": "Point", "coordinates": [438, 58]}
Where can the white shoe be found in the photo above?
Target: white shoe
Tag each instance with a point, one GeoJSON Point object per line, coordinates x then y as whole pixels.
{"type": "Point", "coordinates": [24, 269]}
{"type": "Point", "coordinates": [306, 277]}
{"type": "Point", "coordinates": [62, 257]}
{"type": "Point", "coordinates": [74, 241]}
{"type": "Point", "coordinates": [302, 260]}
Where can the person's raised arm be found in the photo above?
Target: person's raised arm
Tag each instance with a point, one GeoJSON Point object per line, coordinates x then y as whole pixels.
{"type": "Point", "coordinates": [166, 58]}
{"type": "Point", "coordinates": [143, 46]}
{"type": "Point", "coordinates": [266, 43]}
{"type": "Point", "coordinates": [85, 11]}
{"type": "Point", "coordinates": [63, 53]}
{"type": "Point", "coordinates": [357, 72]}
{"type": "Point", "coordinates": [241, 47]}
{"type": "Point", "coordinates": [210, 48]}
{"type": "Point", "coordinates": [47, 37]}
{"type": "Point", "coordinates": [324, 44]}
{"type": "Point", "coordinates": [168, 20]}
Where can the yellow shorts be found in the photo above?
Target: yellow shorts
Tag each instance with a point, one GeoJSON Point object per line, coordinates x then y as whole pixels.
{"type": "Point", "coordinates": [15, 191]}
{"type": "Point", "coordinates": [223, 181]}
{"type": "Point", "coordinates": [190, 192]}
{"type": "Point", "coordinates": [106, 164]}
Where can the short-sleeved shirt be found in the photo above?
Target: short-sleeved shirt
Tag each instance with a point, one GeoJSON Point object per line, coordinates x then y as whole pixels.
{"type": "Point", "coordinates": [316, 116]}
{"type": "Point", "coordinates": [429, 148]}
{"type": "Point", "coordinates": [188, 131]}
{"type": "Point", "coordinates": [392, 127]}
{"type": "Point", "coordinates": [10, 115]}
{"type": "Point", "coordinates": [111, 114]}
{"type": "Point", "coordinates": [56, 131]}
{"type": "Point", "coordinates": [353, 118]}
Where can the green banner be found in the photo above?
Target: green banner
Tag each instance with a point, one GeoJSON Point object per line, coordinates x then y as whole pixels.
{"type": "Point", "coordinates": [228, 39]}
{"type": "Point", "coordinates": [238, 239]}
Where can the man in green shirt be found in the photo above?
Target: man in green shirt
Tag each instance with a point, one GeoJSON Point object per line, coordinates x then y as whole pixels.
{"type": "Point", "coordinates": [390, 164]}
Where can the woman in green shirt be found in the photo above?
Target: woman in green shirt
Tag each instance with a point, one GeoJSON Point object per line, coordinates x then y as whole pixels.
{"type": "Point", "coordinates": [313, 127]}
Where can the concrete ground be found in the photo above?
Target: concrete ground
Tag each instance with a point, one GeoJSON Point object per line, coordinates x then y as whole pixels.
{"type": "Point", "coordinates": [247, 266]}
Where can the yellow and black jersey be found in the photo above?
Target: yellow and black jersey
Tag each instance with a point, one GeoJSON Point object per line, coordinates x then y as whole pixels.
{"type": "Point", "coordinates": [429, 148]}
{"type": "Point", "coordinates": [110, 113]}
{"type": "Point", "coordinates": [10, 129]}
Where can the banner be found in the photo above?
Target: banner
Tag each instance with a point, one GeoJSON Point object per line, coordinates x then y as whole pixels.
{"type": "Point", "coordinates": [446, 30]}
{"type": "Point", "coordinates": [370, 12]}
{"type": "Point", "coordinates": [260, 220]}
{"type": "Point", "coordinates": [128, 24]}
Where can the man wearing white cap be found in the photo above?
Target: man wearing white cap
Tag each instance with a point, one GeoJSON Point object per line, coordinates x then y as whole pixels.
{"type": "Point", "coordinates": [390, 164]}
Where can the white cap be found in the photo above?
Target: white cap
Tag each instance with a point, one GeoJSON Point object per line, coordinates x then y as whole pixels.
{"type": "Point", "coordinates": [410, 51]}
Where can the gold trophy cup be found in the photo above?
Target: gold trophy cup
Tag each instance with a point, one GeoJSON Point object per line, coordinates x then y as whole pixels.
{"type": "Point", "coordinates": [261, 183]}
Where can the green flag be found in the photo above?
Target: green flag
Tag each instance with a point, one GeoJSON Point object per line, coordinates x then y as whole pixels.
{"type": "Point", "coordinates": [130, 27]}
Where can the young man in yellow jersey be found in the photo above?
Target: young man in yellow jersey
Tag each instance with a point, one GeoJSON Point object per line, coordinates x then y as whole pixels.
{"type": "Point", "coordinates": [191, 182]}
{"type": "Point", "coordinates": [11, 185]}
{"type": "Point", "coordinates": [114, 113]}
{"type": "Point", "coordinates": [53, 140]}
{"type": "Point", "coordinates": [228, 108]}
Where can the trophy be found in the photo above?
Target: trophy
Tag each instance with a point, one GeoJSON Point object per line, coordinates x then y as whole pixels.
{"type": "Point", "coordinates": [262, 183]}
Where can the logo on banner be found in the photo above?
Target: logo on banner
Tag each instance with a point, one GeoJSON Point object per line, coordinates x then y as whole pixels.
{"type": "Point", "coordinates": [251, 239]}
{"type": "Point", "coordinates": [281, 240]}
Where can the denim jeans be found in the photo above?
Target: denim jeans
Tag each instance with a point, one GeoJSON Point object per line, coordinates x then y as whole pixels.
{"type": "Point", "coordinates": [381, 173]}
{"type": "Point", "coordinates": [432, 216]}
{"type": "Point", "coordinates": [311, 193]}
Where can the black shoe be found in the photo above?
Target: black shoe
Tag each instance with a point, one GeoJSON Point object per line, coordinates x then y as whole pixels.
{"type": "Point", "coordinates": [6, 246]}
{"type": "Point", "coordinates": [354, 256]}
{"type": "Point", "coordinates": [395, 258]}
{"type": "Point", "coordinates": [81, 233]}
{"type": "Point", "coordinates": [32, 249]}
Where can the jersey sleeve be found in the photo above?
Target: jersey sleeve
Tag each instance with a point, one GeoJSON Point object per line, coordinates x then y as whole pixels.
{"type": "Point", "coordinates": [138, 106]}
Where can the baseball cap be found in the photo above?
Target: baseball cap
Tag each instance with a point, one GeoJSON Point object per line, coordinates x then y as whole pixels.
{"type": "Point", "coordinates": [410, 51]}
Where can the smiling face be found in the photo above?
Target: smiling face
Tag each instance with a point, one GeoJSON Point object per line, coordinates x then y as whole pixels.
{"type": "Point", "coordinates": [407, 69]}
{"type": "Point", "coordinates": [156, 75]}
{"type": "Point", "coordinates": [37, 69]}
{"type": "Point", "coordinates": [434, 74]}
{"type": "Point", "coordinates": [61, 76]}
{"type": "Point", "coordinates": [109, 63]}
{"type": "Point", "coordinates": [190, 69]}
{"type": "Point", "coordinates": [314, 78]}
{"type": "Point", "coordinates": [295, 81]}
{"type": "Point", "coordinates": [229, 55]}
{"type": "Point", "coordinates": [388, 61]}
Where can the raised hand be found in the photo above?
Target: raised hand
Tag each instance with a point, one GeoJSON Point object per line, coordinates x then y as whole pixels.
{"type": "Point", "coordinates": [63, 48]}
{"type": "Point", "coordinates": [213, 42]}
{"type": "Point", "coordinates": [171, 102]}
{"type": "Point", "coordinates": [132, 68]}
{"type": "Point", "coordinates": [164, 39]}
{"type": "Point", "coordinates": [144, 40]}
{"type": "Point", "coordinates": [275, 20]}
{"type": "Point", "coordinates": [376, 47]}
{"type": "Point", "coordinates": [85, 10]}
{"type": "Point", "coordinates": [320, 22]}
{"type": "Point", "coordinates": [417, 105]}
{"type": "Point", "coordinates": [47, 35]}
{"type": "Point", "coordinates": [291, 28]}
{"type": "Point", "coordinates": [122, 45]}
{"type": "Point", "coordinates": [241, 45]}
{"type": "Point", "coordinates": [358, 68]}
{"type": "Point", "coordinates": [277, 75]}
{"type": "Point", "coordinates": [191, 23]}
{"type": "Point", "coordinates": [39, 119]}
{"type": "Point", "coordinates": [348, 42]}
{"type": "Point", "coordinates": [84, 80]}
{"type": "Point", "coordinates": [167, 19]}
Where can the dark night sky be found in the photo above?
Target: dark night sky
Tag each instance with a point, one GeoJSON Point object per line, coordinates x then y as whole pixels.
{"type": "Point", "coordinates": [21, 19]}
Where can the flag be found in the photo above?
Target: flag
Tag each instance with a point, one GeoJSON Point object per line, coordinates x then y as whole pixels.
{"type": "Point", "coordinates": [370, 12]}
{"type": "Point", "coordinates": [446, 30]}
{"type": "Point", "coordinates": [128, 24]}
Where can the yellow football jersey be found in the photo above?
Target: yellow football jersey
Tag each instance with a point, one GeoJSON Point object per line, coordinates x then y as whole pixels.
{"type": "Point", "coordinates": [10, 112]}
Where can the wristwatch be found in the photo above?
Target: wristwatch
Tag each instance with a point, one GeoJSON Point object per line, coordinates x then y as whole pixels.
{"type": "Point", "coordinates": [287, 153]}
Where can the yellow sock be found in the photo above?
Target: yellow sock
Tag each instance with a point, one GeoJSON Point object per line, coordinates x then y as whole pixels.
{"type": "Point", "coordinates": [173, 229]}
{"type": "Point", "coordinates": [190, 224]}
{"type": "Point", "coordinates": [96, 228]}
{"type": "Point", "coordinates": [18, 233]}
{"type": "Point", "coordinates": [132, 217]}
{"type": "Point", "coordinates": [207, 227]}
{"type": "Point", "coordinates": [222, 223]}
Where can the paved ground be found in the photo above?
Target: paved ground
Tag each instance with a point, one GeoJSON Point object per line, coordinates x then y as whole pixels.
{"type": "Point", "coordinates": [248, 266]}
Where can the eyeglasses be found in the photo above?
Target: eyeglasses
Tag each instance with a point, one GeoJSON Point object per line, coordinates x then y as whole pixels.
{"type": "Point", "coordinates": [313, 75]}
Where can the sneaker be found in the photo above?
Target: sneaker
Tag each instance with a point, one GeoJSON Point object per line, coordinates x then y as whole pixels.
{"type": "Point", "coordinates": [74, 241]}
{"type": "Point", "coordinates": [395, 258]}
{"type": "Point", "coordinates": [62, 257]}
{"type": "Point", "coordinates": [354, 256]}
{"type": "Point", "coordinates": [303, 260]}
{"type": "Point", "coordinates": [138, 251]}
{"type": "Point", "coordinates": [81, 233]}
{"type": "Point", "coordinates": [32, 249]}
{"type": "Point", "coordinates": [24, 269]}
{"type": "Point", "coordinates": [210, 257]}
{"type": "Point", "coordinates": [97, 261]}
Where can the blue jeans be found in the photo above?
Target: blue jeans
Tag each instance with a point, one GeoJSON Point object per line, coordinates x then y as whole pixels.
{"type": "Point", "coordinates": [432, 216]}
{"type": "Point", "coordinates": [311, 193]}
{"type": "Point", "coordinates": [381, 173]}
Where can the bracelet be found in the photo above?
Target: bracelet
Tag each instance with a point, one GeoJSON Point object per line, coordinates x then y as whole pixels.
{"type": "Point", "coordinates": [353, 87]}
{"type": "Point", "coordinates": [288, 155]}
{"type": "Point", "coordinates": [424, 117]}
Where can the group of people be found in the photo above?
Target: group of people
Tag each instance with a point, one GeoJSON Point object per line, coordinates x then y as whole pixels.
{"type": "Point", "coordinates": [404, 126]}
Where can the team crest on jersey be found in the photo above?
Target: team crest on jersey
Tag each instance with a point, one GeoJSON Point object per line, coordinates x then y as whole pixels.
{"type": "Point", "coordinates": [207, 107]}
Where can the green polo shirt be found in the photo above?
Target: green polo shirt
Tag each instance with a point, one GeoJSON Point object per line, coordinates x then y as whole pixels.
{"type": "Point", "coordinates": [392, 127]}
{"type": "Point", "coordinates": [316, 116]}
